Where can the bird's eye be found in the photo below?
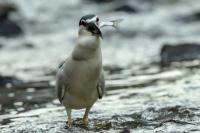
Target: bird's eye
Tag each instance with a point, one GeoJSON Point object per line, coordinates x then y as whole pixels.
{"type": "Point", "coordinates": [97, 19]}
{"type": "Point", "coordinates": [83, 22]}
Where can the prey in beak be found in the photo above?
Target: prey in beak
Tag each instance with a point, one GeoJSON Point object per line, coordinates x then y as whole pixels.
{"type": "Point", "coordinates": [113, 23]}
{"type": "Point", "coordinates": [91, 24]}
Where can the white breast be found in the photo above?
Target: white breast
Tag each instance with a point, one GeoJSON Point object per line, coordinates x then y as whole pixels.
{"type": "Point", "coordinates": [85, 74]}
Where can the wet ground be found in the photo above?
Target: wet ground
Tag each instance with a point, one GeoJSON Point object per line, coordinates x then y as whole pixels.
{"type": "Point", "coordinates": [166, 101]}
{"type": "Point", "coordinates": [141, 96]}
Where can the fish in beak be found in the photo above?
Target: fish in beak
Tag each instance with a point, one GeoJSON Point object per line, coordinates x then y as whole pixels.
{"type": "Point", "coordinates": [113, 23]}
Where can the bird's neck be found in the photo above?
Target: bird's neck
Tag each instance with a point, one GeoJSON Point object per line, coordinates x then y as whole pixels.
{"type": "Point", "coordinates": [87, 47]}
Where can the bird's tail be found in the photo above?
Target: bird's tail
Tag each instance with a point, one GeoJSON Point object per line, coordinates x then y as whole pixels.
{"type": "Point", "coordinates": [116, 23]}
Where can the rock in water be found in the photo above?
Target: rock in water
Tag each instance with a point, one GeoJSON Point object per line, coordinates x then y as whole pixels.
{"type": "Point", "coordinates": [8, 28]}
{"type": "Point", "coordinates": [5, 9]}
{"type": "Point", "coordinates": [126, 8]}
{"type": "Point", "coordinates": [9, 80]}
{"type": "Point", "coordinates": [102, 1]}
{"type": "Point", "coordinates": [125, 130]}
{"type": "Point", "coordinates": [189, 18]}
{"type": "Point", "coordinates": [179, 52]}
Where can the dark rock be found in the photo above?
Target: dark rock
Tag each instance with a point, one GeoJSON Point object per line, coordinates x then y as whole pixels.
{"type": "Point", "coordinates": [102, 1]}
{"type": "Point", "coordinates": [113, 69]}
{"type": "Point", "coordinates": [1, 46]}
{"type": "Point", "coordinates": [179, 52]}
{"type": "Point", "coordinates": [5, 10]}
{"type": "Point", "coordinates": [8, 28]}
{"type": "Point", "coordinates": [8, 79]}
{"type": "Point", "coordinates": [125, 130]}
{"type": "Point", "coordinates": [195, 16]}
{"type": "Point", "coordinates": [126, 8]}
{"type": "Point", "coordinates": [28, 45]}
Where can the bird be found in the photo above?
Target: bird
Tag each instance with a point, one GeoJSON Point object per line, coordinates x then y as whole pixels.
{"type": "Point", "coordinates": [80, 79]}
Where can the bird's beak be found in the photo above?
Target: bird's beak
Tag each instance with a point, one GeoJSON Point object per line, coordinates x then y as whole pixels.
{"type": "Point", "coordinates": [92, 27]}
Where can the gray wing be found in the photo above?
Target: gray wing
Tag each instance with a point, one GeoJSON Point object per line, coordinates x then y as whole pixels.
{"type": "Point", "coordinates": [101, 86]}
{"type": "Point", "coordinates": [60, 88]}
{"type": "Point", "coordinates": [62, 80]}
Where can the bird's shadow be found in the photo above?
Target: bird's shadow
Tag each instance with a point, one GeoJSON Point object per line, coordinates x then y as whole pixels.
{"type": "Point", "coordinates": [93, 125]}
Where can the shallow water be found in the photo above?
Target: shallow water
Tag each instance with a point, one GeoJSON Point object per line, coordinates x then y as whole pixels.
{"type": "Point", "coordinates": [141, 96]}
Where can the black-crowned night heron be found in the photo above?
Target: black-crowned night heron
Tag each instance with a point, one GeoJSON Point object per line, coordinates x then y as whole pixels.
{"type": "Point", "coordinates": [80, 80]}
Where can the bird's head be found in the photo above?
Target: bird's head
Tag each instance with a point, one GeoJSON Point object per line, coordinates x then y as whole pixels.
{"type": "Point", "coordinates": [89, 26]}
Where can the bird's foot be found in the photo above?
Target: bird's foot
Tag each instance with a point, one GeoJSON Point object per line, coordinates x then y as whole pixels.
{"type": "Point", "coordinates": [69, 124]}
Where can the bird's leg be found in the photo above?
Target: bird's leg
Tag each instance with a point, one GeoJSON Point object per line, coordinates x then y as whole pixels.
{"type": "Point", "coordinates": [85, 117]}
{"type": "Point", "coordinates": [69, 124]}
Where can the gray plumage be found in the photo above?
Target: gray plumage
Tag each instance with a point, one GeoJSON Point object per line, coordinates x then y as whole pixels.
{"type": "Point", "coordinates": [63, 80]}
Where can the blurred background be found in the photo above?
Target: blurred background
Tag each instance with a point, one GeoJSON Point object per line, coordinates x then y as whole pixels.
{"type": "Point", "coordinates": [151, 64]}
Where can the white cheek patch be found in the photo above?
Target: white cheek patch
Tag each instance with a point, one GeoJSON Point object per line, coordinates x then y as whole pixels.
{"type": "Point", "coordinates": [94, 19]}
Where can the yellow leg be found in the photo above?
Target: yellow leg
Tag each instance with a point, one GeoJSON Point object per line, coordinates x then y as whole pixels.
{"type": "Point", "coordinates": [69, 124]}
{"type": "Point", "coordinates": [85, 117]}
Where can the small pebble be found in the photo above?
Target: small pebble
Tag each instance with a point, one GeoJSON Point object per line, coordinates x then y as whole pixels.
{"type": "Point", "coordinates": [56, 101]}
{"type": "Point", "coordinates": [125, 130]}
{"type": "Point", "coordinates": [52, 83]}
{"type": "Point", "coordinates": [30, 90]}
{"type": "Point", "coordinates": [8, 85]}
{"type": "Point", "coordinates": [29, 97]}
{"type": "Point", "coordinates": [18, 103]}
{"type": "Point", "coordinates": [11, 94]}
{"type": "Point", "coordinates": [20, 109]}
{"type": "Point", "coordinates": [12, 111]}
